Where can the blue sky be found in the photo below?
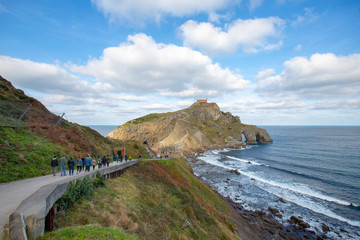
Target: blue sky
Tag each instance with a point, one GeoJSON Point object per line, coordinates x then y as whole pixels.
{"type": "Point", "coordinates": [276, 62]}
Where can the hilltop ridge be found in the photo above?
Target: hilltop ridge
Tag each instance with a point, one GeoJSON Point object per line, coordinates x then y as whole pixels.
{"type": "Point", "coordinates": [198, 128]}
{"type": "Point", "coordinates": [26, 150]}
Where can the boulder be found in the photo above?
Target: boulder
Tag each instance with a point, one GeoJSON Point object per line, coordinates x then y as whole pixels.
{"type": "Point", "coordinates": [234, 171]}
{"type": "Point", "coordinates": [325, 228]}
{"type": "Point", "coordinates": [299, 222]}
{"type": "Point", "coordinates": [274, 211]}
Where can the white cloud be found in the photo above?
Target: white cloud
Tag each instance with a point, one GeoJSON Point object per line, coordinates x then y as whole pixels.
{"type": "Point", "coordinates": [140, 10]}
{"type": "Point", "coordinates": [157, 106]}
{"type": "Point", "coordinates": [253, 4]}
{"type": "Point", "coordinates": [190, 92]}
{"type": "Point", "coordinates": [252, 35]}
{"type": "Point", "coordinates": [321, 76]}
{"type": "Point", "coordinates": [143, 66]}
{"type": "Point", "coordinates": [347, 104]}
{"type": "Point", "coordinates": [216, 18]}
{"type": "Point", "coordinates": [41, 77]}
{"type": "Point", "coordinates": [55, 85]}
{"type": "Point", "coordinates": [298, 47]}
{"type": "Point", "coordinates": [308, 17]}
{"type": "Point", "coordinates": [184, 103]}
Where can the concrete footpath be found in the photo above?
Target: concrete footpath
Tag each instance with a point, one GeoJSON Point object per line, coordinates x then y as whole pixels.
{"type": "Point", "coordinates": [12, 194]}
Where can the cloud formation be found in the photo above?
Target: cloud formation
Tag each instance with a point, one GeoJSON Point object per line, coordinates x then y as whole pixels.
{"type": "Point", "coordinates": [252, 35]}
{"type": "Point", "coordinates": [307, 18]}
{"type": "Point", "coordinates": [320, 76]}
{"type": "Point", "coordinates": [253, 4]}
{"type": "Point", "coordinates": [41, 77]}
{"type": "Point", "coordinates": [143, 66]}
{"type": "Point", "coordinates": [59, 85]}
{"type": "Point", "coordinates": [140, 10]}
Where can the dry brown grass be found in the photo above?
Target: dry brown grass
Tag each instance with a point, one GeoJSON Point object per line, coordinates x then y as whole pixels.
{"type": "Point", "coordinates": [156, 200]}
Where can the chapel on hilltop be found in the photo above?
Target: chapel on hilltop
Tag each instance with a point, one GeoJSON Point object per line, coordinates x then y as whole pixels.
{"type": "Point", "coordinates": [202, 100]}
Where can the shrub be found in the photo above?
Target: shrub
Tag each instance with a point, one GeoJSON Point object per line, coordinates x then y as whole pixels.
{"type": "Point", "coordinates": [81, 188]}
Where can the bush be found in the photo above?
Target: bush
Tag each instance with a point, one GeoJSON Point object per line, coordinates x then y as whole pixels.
{"type": "Point", "coordinates": [99, 180]}
{"type": "Point", "coordinates": [81, 188]}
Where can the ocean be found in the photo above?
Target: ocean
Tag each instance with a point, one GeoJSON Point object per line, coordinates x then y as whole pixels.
{"type": "Point", "coordinates": [316, 170]}
{"type": "Point", "coordinates": [103, 129]}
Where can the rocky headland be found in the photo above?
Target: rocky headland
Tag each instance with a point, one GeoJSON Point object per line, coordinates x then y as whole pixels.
{"type": "Point", "coordinates": [201, 127]}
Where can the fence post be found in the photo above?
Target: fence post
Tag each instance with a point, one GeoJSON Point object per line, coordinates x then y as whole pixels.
{"type": "Point", "coordinates": [58, 122]}
{"type": "Point", "coordinates": [22, 115]}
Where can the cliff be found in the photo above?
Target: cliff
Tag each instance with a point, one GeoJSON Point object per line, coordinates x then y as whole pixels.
{"type": "Point", "coordinates": [200, 127]}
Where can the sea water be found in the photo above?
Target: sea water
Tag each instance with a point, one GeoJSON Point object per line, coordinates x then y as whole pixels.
{"type": "Point", "coordinates": [316, 170]}
{"type": "Point", "coordinates": [103, 129]}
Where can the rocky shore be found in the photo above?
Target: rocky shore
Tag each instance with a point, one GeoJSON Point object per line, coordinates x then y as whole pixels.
{"type": "Point", "coordinates": [266, 223]}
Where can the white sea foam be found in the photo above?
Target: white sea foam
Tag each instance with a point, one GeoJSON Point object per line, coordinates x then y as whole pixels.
{"type": "Point", "coordinates": [215, 152]}
{"type": "Point", "coordinates": [295, 188]}
{"type": "Point", "coordinates": [306, 202]}
{"type": "Point", "coordinates": [299, 188]}
{"type": "Point", "coordinates": [245, 161]}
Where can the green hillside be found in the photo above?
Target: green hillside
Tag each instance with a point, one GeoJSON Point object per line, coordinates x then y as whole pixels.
{"type": "Point", "coordinates": [153, 200]}
{"type": "Point", "coordinates": [27, 148]}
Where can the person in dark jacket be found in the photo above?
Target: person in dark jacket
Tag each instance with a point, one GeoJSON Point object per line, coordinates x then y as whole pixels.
{"type": "Point", "coordinates": [99, 162]}
{"type": "Point", "coordinates": [54, 165]}
{"type": "Point", "coordinates": [83, 164]}
{"type": "Point", "coordinates": [107, 161]}
{"type": "Point", "coordinates": [71, 164]}
{"type": "Point", "coordinates": [103, 161]}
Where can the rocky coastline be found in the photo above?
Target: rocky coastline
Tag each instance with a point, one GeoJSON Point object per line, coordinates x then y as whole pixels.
{"type": "Point", "coordinates": [265, 223]}
{"type": "Point", "coordinates": [260, 224]}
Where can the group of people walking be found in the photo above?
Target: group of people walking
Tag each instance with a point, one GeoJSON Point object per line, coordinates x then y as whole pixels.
{"type": "Point", "coordinates": [84, 164]}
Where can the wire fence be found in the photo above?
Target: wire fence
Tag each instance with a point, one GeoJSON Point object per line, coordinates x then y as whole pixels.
{"type": "Point", "coordinates": [20, 114]}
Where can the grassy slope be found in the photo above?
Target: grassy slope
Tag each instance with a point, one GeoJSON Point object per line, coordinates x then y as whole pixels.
{"type": "Point", "coordinates": [89, 232]}
{"type": "Point", "coordinates": [26, 150]}
{"type": "Point", "coordinates": [24, 154]}
{"type": "Point", "coordinates": [154, 200]}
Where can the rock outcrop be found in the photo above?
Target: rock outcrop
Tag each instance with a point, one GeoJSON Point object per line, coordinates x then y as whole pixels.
{"type": "Point", "coordinates": [200, 127]}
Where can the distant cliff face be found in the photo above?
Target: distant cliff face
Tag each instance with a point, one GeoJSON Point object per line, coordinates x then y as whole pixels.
{"type": "Point", "coordinates": [198, 128]}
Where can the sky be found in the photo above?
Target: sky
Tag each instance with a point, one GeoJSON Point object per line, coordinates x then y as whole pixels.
{"type": "Point", "coordinates": [105, 62]}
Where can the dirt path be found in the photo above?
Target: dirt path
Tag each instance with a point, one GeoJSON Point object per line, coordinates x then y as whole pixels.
{"type": "Point", "coordinates": [13, 193]}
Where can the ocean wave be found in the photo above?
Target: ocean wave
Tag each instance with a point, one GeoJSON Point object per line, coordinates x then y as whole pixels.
{"type": "Point", "coordinates": [299, 188]}
{"type": "Point", "coordinates": [245, 161]}
{"type": "Point", "coordinates": [311, 205]}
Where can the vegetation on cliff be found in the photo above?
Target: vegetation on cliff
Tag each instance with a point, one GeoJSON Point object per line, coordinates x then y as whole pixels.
{"type": "Point", "coordinates": [200, 127]}
{"type": "Point", "coordinates": [26, 150]}
{"type": "Point", "coordinates": [154, 200]}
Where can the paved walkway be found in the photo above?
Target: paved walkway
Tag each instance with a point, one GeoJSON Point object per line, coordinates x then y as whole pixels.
{"type": "Point", "coordinates": [13, 193]}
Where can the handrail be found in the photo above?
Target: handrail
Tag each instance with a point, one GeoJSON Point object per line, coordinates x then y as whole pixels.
{"type": "Point", "coordinates": [28, 220]}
